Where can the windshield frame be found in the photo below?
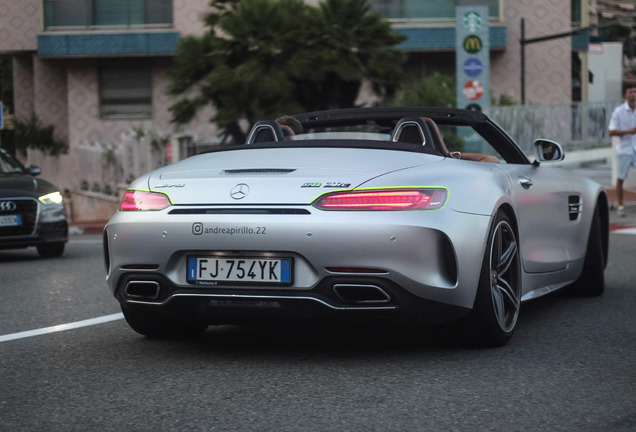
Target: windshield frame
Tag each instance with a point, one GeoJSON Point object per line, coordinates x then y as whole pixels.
{"type": "Point", "coordinates": [10, 165]}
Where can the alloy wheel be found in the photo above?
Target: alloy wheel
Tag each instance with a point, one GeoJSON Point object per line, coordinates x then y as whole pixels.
{"type": "Point", "coordinates": [504, 276]}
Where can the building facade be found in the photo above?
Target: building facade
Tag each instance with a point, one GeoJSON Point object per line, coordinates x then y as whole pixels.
{"type": "Point", "coordinates": [551, 76]}
{"type": "Point", "coordinates": [98, 70]}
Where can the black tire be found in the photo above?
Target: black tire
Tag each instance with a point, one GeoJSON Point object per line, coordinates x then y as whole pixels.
{"type": "Point", "coordinates": [591, 283]}
{"type": "Point", "coordinates": [494, 317]}
{"type": "Point", "coordinates": [50, 250]}
{"type": "Point", "coordinates": [159, 327]}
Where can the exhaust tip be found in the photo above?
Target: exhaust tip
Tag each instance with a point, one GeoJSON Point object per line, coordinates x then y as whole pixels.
{"type": "Point", "coordinates": [146, 290]}
{"type": "Point", "coordinates": [361, 294]}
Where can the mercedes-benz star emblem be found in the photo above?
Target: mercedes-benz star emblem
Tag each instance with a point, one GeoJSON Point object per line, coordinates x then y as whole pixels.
{"type": "Point", "coordinates": [240, 191]}
{"type": "Point", "coordinates": [7, 206]}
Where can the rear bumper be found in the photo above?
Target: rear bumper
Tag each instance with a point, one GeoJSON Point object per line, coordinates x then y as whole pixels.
{"type": "Point", "coordinates": [422, 265]}
{"type": "Point", "coordinates": [335, 297]}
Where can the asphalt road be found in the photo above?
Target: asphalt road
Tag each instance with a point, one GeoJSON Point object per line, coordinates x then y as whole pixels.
{"type": "Point", "coordinates": [571, 366]}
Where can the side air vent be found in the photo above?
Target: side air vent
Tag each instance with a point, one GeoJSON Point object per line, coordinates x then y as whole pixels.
{"type": "Point", "coordinates": [259, 171]}
{"type": "Point", "coordinates": [575, 206]}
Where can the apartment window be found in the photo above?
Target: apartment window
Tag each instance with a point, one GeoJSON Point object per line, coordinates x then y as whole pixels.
{"type": "Point", "coordinates": [125, 91]}
{"type": "Point", "coordinates": [388, 8]}
{"type": "Point", "coordinates": [66, 13]}
{"type": "Point", "coordinates": [106, 13]}
{"type": "Point", "coordinates": [431, 9]}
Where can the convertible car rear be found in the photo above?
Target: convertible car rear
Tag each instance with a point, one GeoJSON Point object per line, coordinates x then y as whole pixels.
{"type": "Point", "coordinates": [365, 215]}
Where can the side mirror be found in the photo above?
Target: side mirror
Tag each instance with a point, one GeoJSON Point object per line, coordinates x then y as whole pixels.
{"type": "Point", "coordinates": [34, 170]}
{"type": "Point", "coordinates": [548, 151]}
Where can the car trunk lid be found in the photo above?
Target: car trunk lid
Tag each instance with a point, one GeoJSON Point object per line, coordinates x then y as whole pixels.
{"type": "Point", "coordinates": [294, 176]}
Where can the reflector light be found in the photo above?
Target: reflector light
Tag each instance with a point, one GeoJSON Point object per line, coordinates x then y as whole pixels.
{"type": "Point", "coordinates": [140, 267]}
{"type": "Point", "coordinates": [144, 201]}
{"type": "Point", "coordinates": [395, 199]}
{"type": "Point", "coordinates": [354, 270]}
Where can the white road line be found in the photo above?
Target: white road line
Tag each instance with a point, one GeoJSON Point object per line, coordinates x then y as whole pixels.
{"type": "Point", "coordinates": [61, 327]}
{"type": "Point", "coordinates": [625, 231]}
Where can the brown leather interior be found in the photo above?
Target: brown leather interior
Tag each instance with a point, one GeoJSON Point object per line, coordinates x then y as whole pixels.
{"type": "Point", "coordinates": [437, 136]}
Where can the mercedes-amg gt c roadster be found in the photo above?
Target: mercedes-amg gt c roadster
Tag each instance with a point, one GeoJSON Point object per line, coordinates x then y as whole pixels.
{"type": "Point", "coordinates": [370, 213]}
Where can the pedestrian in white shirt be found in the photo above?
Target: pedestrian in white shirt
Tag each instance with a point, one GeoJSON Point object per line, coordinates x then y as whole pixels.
{"type": "Point", "coordinates": [623, 125]}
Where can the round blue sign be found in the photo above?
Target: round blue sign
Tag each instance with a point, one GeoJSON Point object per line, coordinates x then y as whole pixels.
{"type": "Point", "coordinates": [473, 67]}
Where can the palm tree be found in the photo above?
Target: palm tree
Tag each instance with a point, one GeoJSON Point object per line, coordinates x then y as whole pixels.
{"type": "Point", "coordinates": [263, 58]}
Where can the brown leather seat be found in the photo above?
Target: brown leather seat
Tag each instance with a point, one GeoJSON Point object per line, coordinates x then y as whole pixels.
{"type": "Point", "coordinates": [437, 136]}
{"type": "Point", "coordinates": [422, 131]}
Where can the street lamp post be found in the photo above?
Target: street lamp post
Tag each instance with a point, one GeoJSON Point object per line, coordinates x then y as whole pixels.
{"type": "Point", "coordinates": [523, 41]}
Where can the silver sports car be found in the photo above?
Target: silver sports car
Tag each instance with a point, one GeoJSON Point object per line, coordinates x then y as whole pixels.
{"type": "Point", "coordinates": [416, 214]}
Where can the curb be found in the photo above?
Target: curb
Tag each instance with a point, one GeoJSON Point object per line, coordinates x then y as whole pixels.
{"type": "Point", "coordinates": [78, 228]}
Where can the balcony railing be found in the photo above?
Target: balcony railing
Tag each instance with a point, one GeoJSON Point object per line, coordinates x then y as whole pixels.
{"type": "Point", "coordinates": [83, 14]}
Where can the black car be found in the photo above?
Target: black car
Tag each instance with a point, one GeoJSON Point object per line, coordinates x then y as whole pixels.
{"type": "Point", "coordinates": [32, 211]}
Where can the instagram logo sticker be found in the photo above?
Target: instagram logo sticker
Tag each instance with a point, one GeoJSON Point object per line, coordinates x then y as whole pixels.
{"type": "Point", "coordinates": [197, 228]}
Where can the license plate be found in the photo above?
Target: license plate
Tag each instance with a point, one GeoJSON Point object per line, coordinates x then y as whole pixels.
{"type": "Point", "coordinates": [214, 270]}
{"type": "Point", "coordinates": [12, 220]}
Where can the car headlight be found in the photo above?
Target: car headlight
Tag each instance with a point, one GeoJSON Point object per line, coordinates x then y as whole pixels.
{"type": "Point", "coordinates": [52, 198]}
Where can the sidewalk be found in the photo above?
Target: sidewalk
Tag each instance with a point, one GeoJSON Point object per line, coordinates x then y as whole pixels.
{"type": "Point", "coordinates": [629, 201]}
{"type": "Point", "coordinates": [601, 172]}
{"type": "Point", "coordinates": [86, 227]}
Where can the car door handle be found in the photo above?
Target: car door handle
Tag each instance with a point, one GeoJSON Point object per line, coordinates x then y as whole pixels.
{"type": "Point", "coordinates": [525, 182]}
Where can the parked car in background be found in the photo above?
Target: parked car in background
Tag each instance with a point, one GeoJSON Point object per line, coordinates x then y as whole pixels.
{"type": "Point", "coordinates": [32, 211]}
{"type": "Point", "coordinates": [416, 213]}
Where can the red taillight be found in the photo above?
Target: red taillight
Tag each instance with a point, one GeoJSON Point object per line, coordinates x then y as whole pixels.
{"type": "Point", "coordinates": [393, 199]}
{"type": "Point", "coordinates": [143, 201]}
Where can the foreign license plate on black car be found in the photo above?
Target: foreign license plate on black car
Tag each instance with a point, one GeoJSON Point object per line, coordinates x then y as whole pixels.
{"type": "Point", "coordinates": [11, 220]}
{"type": "Point", "coordinates": [212, 270]}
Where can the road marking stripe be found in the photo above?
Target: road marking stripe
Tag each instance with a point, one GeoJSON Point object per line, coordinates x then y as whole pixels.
{"type": "Point", "coordinates": [61, 327]}
{"type": "Point", "coordinates": [624, 231]}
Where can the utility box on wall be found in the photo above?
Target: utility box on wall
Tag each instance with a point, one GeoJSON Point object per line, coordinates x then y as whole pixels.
{"type": "Point", "coordinates": [606, 66]}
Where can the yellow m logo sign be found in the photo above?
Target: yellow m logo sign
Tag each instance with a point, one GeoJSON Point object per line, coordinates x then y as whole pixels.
{"type": "Point", "coordinates": [472, 44]}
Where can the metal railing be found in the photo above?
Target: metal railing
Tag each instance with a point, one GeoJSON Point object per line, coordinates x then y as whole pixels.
{"type": "Point", "coordinates": [576, 126]}
{"type": "Point", "coordinates": [104, 168]}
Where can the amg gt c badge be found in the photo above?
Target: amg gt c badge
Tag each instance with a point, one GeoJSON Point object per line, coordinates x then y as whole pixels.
{"type": "Point", "coordinates": [240, 191]}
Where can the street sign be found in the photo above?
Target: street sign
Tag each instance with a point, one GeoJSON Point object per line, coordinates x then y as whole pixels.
{"type": "Point", "coordinates": [472, 44]}
{"type": "Point", "coordinates": [472, 57]}
{"type": "Point", "coordinates": [473, 90]}
{"type": "Point", "coordinates": [472, 65]}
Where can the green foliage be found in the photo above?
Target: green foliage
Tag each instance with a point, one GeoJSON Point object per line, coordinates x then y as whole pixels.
{"type": "Point", "coordinates": [33, 134]}
{"type": "Point", "coordinates": [504, 100]}
{"type": "Point", "coordinates": [615, 32]}
{"type": "Point", "coordinates": [264, 58]}
{"type": "Point", "coordinates": [436, 90]}
{"type": "Point", "coordinates": [7, 135]}
{"type": "Point", "coordinates": [6, 82]}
